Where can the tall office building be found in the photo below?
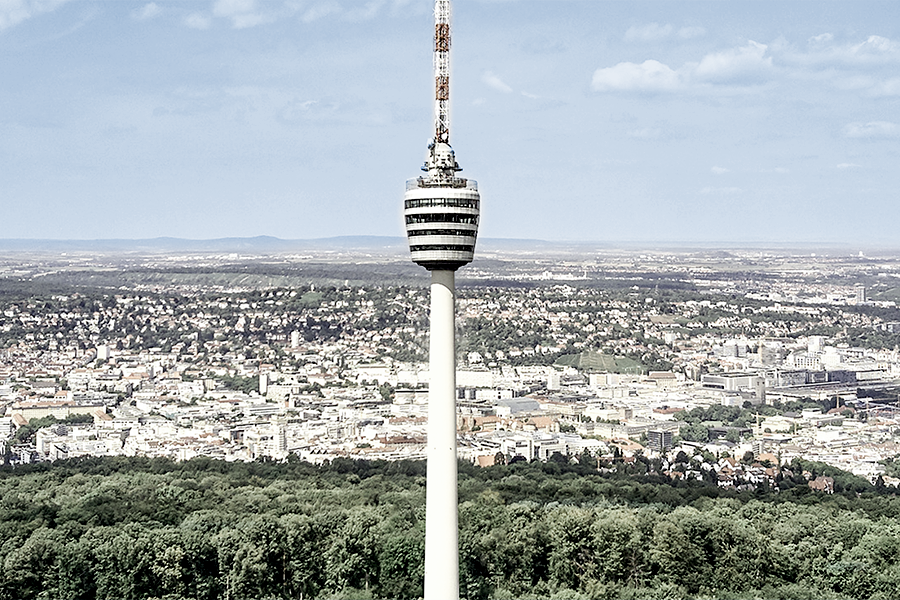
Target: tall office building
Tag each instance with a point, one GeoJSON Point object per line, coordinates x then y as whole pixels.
{"type": "Point", "coordinates": [441, 211]}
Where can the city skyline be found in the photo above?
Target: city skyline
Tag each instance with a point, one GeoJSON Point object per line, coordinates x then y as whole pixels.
{"type": "Point", "coordinates": [591, 121]}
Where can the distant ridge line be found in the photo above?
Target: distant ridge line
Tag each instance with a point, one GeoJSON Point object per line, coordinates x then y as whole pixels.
{"type": "Point", "coordinates": [265, 243]}
{"type": "Point", "coordinates": [262, 243]}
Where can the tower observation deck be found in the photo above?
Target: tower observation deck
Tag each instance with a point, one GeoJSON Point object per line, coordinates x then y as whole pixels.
{"type": "Point", "coordinates": [441, 209]}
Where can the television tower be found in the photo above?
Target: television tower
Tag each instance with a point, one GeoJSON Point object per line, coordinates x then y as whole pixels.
{"type": "Point", "coordinates": [441, 211]}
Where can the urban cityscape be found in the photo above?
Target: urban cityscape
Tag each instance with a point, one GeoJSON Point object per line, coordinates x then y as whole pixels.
{"type": "Point", "coordinates": [582, 353]}
{"type": "Point", "coordinates": [309, 414]}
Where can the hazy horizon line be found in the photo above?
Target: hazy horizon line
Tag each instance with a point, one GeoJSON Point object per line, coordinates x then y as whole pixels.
{"type": "Point", "coordinates": [399, 239]}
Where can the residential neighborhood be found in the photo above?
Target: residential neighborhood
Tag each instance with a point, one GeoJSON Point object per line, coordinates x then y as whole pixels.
{"type": "Point", "coordinates": [551, 361]}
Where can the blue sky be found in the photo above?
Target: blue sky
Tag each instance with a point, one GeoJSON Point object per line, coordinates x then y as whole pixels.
{"type": "Point", "coordinates": [709, 121]}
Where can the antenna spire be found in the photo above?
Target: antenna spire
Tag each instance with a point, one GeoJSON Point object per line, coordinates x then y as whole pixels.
{"type": "Point", "coordinates": [441, 208]}
{"type": "Point", "coordinates": [442, 71]}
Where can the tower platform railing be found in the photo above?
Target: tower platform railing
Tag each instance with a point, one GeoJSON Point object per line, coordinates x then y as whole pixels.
{"type": "Point", "coordinates": [452, 182]}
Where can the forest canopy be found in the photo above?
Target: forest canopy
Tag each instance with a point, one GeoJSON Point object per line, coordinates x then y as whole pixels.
{"type": "Point", "coordinates": [135, 528]}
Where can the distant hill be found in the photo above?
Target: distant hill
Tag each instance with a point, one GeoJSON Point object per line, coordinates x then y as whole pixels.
{"type": "Point", "coordinates": [264, 244]}
{"type": "Point", "coordinates": [258, 244]}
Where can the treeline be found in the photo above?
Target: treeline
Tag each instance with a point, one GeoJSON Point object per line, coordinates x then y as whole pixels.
{"type": "Point", "coordinates": [135, 528]}
{"type": "Point", "coordinates": [246, 275]}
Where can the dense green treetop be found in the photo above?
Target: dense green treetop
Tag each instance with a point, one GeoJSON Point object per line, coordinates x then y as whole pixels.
{"type": "Point", "coordinates": [150, 528]}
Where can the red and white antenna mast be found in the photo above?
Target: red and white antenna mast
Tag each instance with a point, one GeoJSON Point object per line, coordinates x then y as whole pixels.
{"type": "Point", "coordinates": [442, 71]}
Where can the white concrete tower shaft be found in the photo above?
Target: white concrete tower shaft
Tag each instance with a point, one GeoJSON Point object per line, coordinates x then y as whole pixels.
{"type": "Point", "coordinates": [441, 509]}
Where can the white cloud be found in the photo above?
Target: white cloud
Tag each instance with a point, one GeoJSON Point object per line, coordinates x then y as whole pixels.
{"type": "Point", "coordinates": [721, 190]}
{"type": "Point", "coordinates": [872, 130]}
{"type": "Point", "coordinates": [854, 82]}
{"type": "Point", "coordinates": [875, 45]}
{"type": "Point", "coordinates": [148, 11]}
{"type": "Point", "coordinates": [531, 96]}
{"type": "Point", "coordinates": [645, 133]}
{"type": "Point", "coordinates": [874, 50]}
{"type": "Point", "coordinates": [654, 32]}
{"type": "Point", "coordinates": [891, 87]}
{"type": "Point", "coordinates": [695, 31]}
{"type": "Point", "coordinates": [848, 166]}
{"type": "Point", "coordinates": [870, 86]}
{"type": "Point", "coordinates": [320, 10]}
{"type": "Point", "coordinates": [13, 12]}
{"type": "Point", "coordinates": [649, 76]}
{"type": "Point", "coordinates": [720, 170]}
{"type": "Point", "coordinates": [197, 21]}
{"type": "Point", "coordinates": [241, 13]}
{"type": "Point", "coordinates": [297, 110]}
{"type": "Point", "coordinates": [226, 8]}
{"type": "Point", "coordinates": [781, 170]}
{"type": "Point", "coordinates": [249, 20]}
{"type": "Point", "coordinates": [495, 82]}
{"type": "Point", "coordinates": [648, 33]}
{"type": "Point", "coordinates": [543, 45]}
{"type": "Point", "coordinates": [735, 63]}
{"type": "Point", "coordinates": [367, 12]}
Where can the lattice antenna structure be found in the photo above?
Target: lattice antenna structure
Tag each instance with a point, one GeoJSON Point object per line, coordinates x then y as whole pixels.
{"type": "Point", "coordinates": [442, 71]}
